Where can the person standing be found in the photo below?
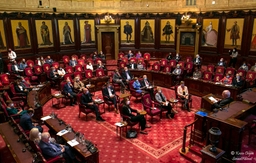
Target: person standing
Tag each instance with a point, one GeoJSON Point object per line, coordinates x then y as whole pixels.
{"type": "Point", "coordinates": [234, 33]}
{"type": "Point", "coordinates": [45, 34]}
{"type": "Point", "coordinates": [11, 55]}
{"type": "Point", "coordinates": [167, 31]}
{"type": "Point", "coordinates": [67, 39]}
{"type": "Point", "coordinates": [233, 56]}
{"type": "Point", "coordinates": [87, 32]}
{"type": "Point", "coordinates": [128, 32]}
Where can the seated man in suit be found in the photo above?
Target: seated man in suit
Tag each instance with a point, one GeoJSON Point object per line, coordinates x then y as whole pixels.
{"type": "Point", "coordinates": [54, 74]}
{"type": "Point", "coordinates": [161, 99]}
{"type": "Point", "coordinates": [182, 92]}
{"type": "Point", "coordinates": [78, 84]}
{"type": "Point", "coordinates": [197, 61]}
{"type": "Point", "coordinates": [23, 64]}
{"type": "Point", "coordinates": [177, 57]}
{"type": "Point", "coordinates": [177, 70]}
{"type": "Point", "coordinates": [226, 100]}
{"type": "Point", "coordinates": [244, 67]}
{"type": "Point", "coordinates": [101, 55]}
{"type": "Point", "coordinates": [26, 121]}
{"type": "Point", "coordinates": [87, 100]}
{"type": "Point", "coordinates": [132, 65]}
{"type": "Point", "coordinates": [127, 110]}
{"type": "Point", "coordinates": [51, 150]}
{"type": "Point", "coordinates": [126, 75]}
{"type": "Point", "coordinates": [109, 93]}
{"type": "Point", "coordinates": [130, 54]}
{"type": "Point", "coordinates": [19, 88]}
{"type": "Point", "coordinates": [68, 90]}
{"type": "Point", "coordinates": [169, 56]}
{"type": "Point", "coordinates": [197, 74]}
{"type": "Point", "coordinates": [49, 60]}
{"type": "Point", "coordinates": [147, 86]}
{"type": "Point", "coordinates": [61, 72]}
{"type": "Point", "coordinates": [117, 78]}
{"type": "Point", "coordinates": [15, 68]}
{"type": "Point", "coordinates": [226, 79]}
{"type": "Point", "coordinates": [25, 84]}
{"type": "Point", "coordinates": [100, 65]}
{"type": "Point", "coordinates": [221, 63]}
{"type": "Point", "coordinates": [72, 62]}
{"type": "Point", "coordinates": [253, 68]}
{"type": "Point", "coordinates": [238, 81]}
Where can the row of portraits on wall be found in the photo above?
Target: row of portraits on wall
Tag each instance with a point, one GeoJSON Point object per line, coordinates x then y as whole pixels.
{"type": "Point", "coordinates": [21, 32]}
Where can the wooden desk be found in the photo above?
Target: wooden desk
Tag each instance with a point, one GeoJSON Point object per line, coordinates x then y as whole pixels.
{"type": "Point", "coordinates": [249, 96]}
{"type": "Point", "coordinates": [54, 125]}
{"type": "Point", "coordinates": [158, 78]}
{"type": "Point", "coordinates": [202, 88]}
{"type": "Point", "coordinates": [15, 147]}
{"type": "Point", "coordinates": [210, 157]}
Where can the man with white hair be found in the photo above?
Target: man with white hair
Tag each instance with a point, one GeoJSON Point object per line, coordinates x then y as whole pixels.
{"type": "Point", "coordinates": [51, 150]}
{"type": "Point", "coordinates": [226, 100]}
{"type": "Point", "coordinates": [197, 60]}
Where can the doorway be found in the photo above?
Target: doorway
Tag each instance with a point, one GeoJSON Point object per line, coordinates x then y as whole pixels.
{"type": "Point", "coordinates": [108, 46]}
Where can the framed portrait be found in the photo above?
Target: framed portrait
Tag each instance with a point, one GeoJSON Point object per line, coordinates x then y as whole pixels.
{"type": "Point", "coordinates": [44, 33]}
{"type": "Point", "coordinates": [234, 33]}
{"type": "Point", "coordinates": [147, 31]}
{"type": "Point", "coordinates": [127, 31]}
{"type": "Point", "coordinates": [66, 32]}
{"type": "Point", "coordinates": [210, 32]}
{"type": "Point", "coordinates": [87, 31]}
{"type": "Point", "coordinates": [2, 36]}
{"type": "Point", "coordinates": [167, 31]}
{"type": "Point", "coordinates": [21, 34]}
{"type": "Point", "coordinates": [253, 41]}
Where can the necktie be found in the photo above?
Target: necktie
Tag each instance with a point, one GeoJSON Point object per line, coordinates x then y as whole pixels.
{"type": "Point", "coordinates": [146, 82]}
{"type": "Point", "coordinates": [53, 147]}
{"type": "Point", "coordinates": [109, 92]}
{"type": "Point", "coordinates": [162, 97]}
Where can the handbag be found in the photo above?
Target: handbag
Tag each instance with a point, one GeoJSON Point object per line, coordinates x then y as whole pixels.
{"type": "Point", "coordinates": [131, 134]}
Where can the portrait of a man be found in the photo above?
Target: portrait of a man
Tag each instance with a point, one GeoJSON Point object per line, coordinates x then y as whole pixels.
{"type": "Point", "coordinates": [234, 30]}
{"type": "Point", "coordinates": [20, 33]}
{"type": "Point", "coordinates": [127, 31]}
{"type": "Point", "coordinates": [147, 31]}
{"type": "Point", "coordinates": [66, 32]}
{"type": "Point", "coordinates": [167, 31]}
{"type": "Point", "coordinates": [87, 31]}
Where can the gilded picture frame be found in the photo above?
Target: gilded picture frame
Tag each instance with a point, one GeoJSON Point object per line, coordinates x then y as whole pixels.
{"type": "Point", "coordinates": [234, 33]}
{"type": "Point", "coordinates": [21, 34]}
{"type": "Point", "coordinates": [127, 31]}
{"type": "Point", "coordinates": [2, 36]}
{"type": "Point", "coordinates": [147, 31]}
{"type": "Point", "coordinates": [253, 40]}
{"type": "Point", "coordinates": [210, 32]}
{"type": "Point", "coordinates": [44, 33]}
{"type": "Point", "coordinates": [167, 31]}
{"type": "Point", "coordinates": [66, 32]}
{"type": "Point", "coordinates": [87, 31]}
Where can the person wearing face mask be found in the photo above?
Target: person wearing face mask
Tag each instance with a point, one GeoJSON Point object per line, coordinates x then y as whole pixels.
{"type": "Point", "coordinates": [233, 55]}
{"type": "Point", "coordinates": [89, 66]}
{"type": "Point", "coordinates": [161, 99]}
{"type": "Point", "coordinates": [137, 86]}
{"type": "Point", "coordinates": [253, 68]}
{"type": "Point", "coordinates": [182, 92]}
{"type": "Point", "coordinates": [25, 84]}
{"type": "Point", "coordinates": [197, 61]}
{"type": "Point", "coordinates": [197, 74]}
{"type": "Point", "coordinates": [11, 110]}
{"type": "Point", "coordinates": [51, 150]}
{"type": "Point", "coordinates": [169, 56]}
{"type": "Point", "coordinates": [126, 75]}
{"type": "Point", "coordinates": [221, 63]}
{"type": "Point", "coordinates": [226, 79]}
{"type": "Point", "coordinates": [132, 65]}
{"type": "Point", "coordinates": [117, 78]}
{"type": "Point", "coordinates": [26, 121]}
{"type": "Point", "coordinates": [177, 57]}
{"type": "Point", "coordinates": [109, 93]}
{"type": "Point", "coordinates": [177, 70]}
{"type": "Point", "coordinates": [35, 135]}
{"type": "Point", "coordinates": [11, 55]}
{"type": "Point", "coordinates": [244, 67]}
{"type": "Point", "coordinates": [68, 90]}
{"type": "Point", "coordinates": [49, 60]}
{"type": "Point", "coordinates": [61, 72]}
{"type": "Point", "coordinates": [87, 100]}
{"type": "Point", "coordinates": [23, 64]}
{"type": "Point", "coordinates": [72, 62]}
{"type": "Point", "coordinates": [127, 110]}
{"type": "Point", "coordinates": [147, 86]}
{"type": "Point", "coordinates": [78, 84]}
{"type": "Point", "coordinates": [238, 81]}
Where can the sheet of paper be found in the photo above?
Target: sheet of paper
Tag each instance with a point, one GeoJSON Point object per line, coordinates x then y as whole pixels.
{"type": "Point", "coordinates": [73, 143]}
{"type": "Point", "coordinates": [62, 132]}
{"type": "Point", "coordinates": [119, 124]}
{"type": "Point", "coordinates": [45, 118]}
{"type": "Point", "coordinates": [212, 99]}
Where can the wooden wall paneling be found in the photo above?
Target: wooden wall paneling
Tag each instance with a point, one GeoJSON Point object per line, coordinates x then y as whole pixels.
{"type": "Point", "coordinates": [137, 32]}
{"type": "Point", "coordinates": [157, 31]}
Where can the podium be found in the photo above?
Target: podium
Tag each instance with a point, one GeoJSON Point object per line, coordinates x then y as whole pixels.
{"type": "Point", "coordinates": [206, 103]}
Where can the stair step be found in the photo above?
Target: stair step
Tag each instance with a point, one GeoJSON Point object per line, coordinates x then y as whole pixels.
{"type": "Point", "coordinates": [192, 157]}
{"type": "Point", "coordinates": [195, 150]}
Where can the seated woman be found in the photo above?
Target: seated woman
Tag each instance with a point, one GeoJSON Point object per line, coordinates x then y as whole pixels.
{"type": "Point", "coordinates": [19, 88]}
{"type": "Point", "coordinates": [140, 66]}
{"type": "Point", "coordinates": [89, 66]}
{"type": "Point", "coordinates": [226, 79]}
{"type": "Point", "coordinates": [61, 72]}
{"type": "Point", "coordinates": [127, 110]}
{"type": "Point", "coordinates": [35, 135]}
{"type": "Point", "coordinates": [11, 110]}
{"type": "Point", "coordinates": [137, 86]}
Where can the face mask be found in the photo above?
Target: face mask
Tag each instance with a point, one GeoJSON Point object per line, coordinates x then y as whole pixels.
{"type": "Point", "coordinates": [9, 50]}
{"type": "Point", "coordinates": [227, 76]}
{"type": "Point", "coordinates": [159, 91]}
{"type": "Point", "coordinates": [237, 77]}
{"type": "Point", "coordinates": [234, 50]}
{"type": "Point", "coordinates": [178, 66]}
{"type": "Point", "coordinates": [32, 115]}
{"type": "Point", "coordinates": [39, 135]}
{"type": "Point", "coordinates": [87, 92]}
{"type": "Point", "coordinates": [128, 102]}
{"type": "Point", "coordinates": [182, 85]}
{"type": "Point", "coordinates": [49, 141]}
{"type": "Point", "coordinates": [145, 78]}
{"type": "Point", "coordinates": [137, 80]}
{"type": "Point", "coordinates": [12, 105]}
{"type": "Point", "coordinates": [68, 82]}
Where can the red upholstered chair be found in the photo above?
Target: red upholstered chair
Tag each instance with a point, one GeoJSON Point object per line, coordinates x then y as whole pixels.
{"type": "Point", "coordinates": [182, 64]}
{"type": "Point", "coordinates": [83, 108]}
{"type": "Point", "coordinates": [74, 56]}
{"type": "Point", "coordinates": [4, 108]}
{"type": "Point", "coordinates": [100, 72]}
{"type": "Point", "coordinates": [133, 59]}
{"type": "Point", "coordinates": [9, 67]}
{"type": "Point", "coordinates": [88, 74]}
{"type": "Point", "coordinates": [125, 60]}
{"type": "Point", "coordinates": [240, 71]}
{"type": "Point", "coordinates": [69, 70]}
{"type": "Point", "coordinates": [231, 71]}
{"type": "Point", "coordinates": [156, 66]}
{"type": "Point", "coordinates": [107, 101]}
{"type": "Point", "coordinates": [67, 76]}
{"type": "Point", "coordinates": [78, 68]}
{"type": "Point", "coordinates": [133, 91]}
{"type": "Point", "coordinates": [38, 70]}
{"type": "Point", "coordinates": [89, 60]}
{"type": "Point", "coordinates": [46, 67]}
{"type": "Point", "coordinates": [250, 78]}
{"type": "Point", "coordinates": [181, 100]}
{"type": "Point", "coordinates": [81, 62]}
{"type": "Point", "coordinates": [4, 79]}
{"type": "Point", "coordinates": [15, 94]}
{"type": "Point", "coordinates": [210, 68]}
{"type": "Point", "coordinates": [217, 77]}
{"type": "Point", "coordinates": [146, 56]}
{"type": "Point", "coordinates": [150, 107]}
{"type": "Point", "coordinates": [220, 70]}
{"type": "Point", "coordinates": [79, 74]}
{"type": "Point", "coordinates": [141, 60]}
{"type": "Point", "coordinates": [163, 63]}
{"type": "Point", "coordinates": [189, 59]}
{"type": "Point", "coordinates": [97, 60]}
{"type": "Point", "coordinates": [16, 100]}
{"type": "Point", "coordinates": [65, 59]}
{"type": "Point", "coordinates": [189, 68]}
{"type": "Point", "coordinates": [207, 76]}
{"type": "Point", "coordinates": [167, 68]}
{"type": "Point", "coordinates": [122, 65]}
{"type": "Point", "coordinates": [125, 117]}
{"type": "Point", "coordinates": [172, 63]}
{"type": "Point", "coordinates": [56, 65]}
{"type": "Point", "coordinates": [120, 55]}
{"type": "Point", "coordinates": [30, 63]}
{"type": "Point", "coordinates": [29, 73]}
{"type": "Point", "coordinates": [83, 57]}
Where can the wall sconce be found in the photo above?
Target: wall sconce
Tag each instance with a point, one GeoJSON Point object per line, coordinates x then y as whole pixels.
{"type": "Point", "coordinates": [108, 18]}
{"type": "Point", "coordinates": [213, 2]}
{"type": "Point", "coordinates": [186, 19]}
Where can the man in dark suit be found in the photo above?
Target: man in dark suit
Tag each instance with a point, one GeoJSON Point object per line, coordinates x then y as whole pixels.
{"type": "Point", "coordinates": [147, 86]}
{"type": "Point", "coordinates": [49, 60]}
{"type": "Point", "coordinates": [221, 63]}
{"type": "Point", "coordinates": [126, 75]}
{"type": "Point", "coordinates": [15, 68]}
{"type": "Point", "coordinates": [238, 81]}
{"type": "Point", "coordinates": [109, 93]}
{"type": "Point", "coordinates": [117, 78]}
{"type": "Point", "coordinates": [53, 74]}
{"type": "Point", "coordinates": [87, 100]}
{"type": "Point", "coordinates": [26, 121]}
{"type": "Point", "coordinates": [169, 56]}
{"type": "Point", "coordinates": [132, 65]}
{"type": "Point", "coordinates": [177, 57]}
{"type": "Point", "coordinates": [72, 62]}
{"type": "Point", "coordinates": [68, 90]}
{"type": "Point", "coordinates": [226, 100]}
{"type": "Point", "coordinates": [51, 150]}
{"type": "Point", "coordinates": [197, 61]}
{"type": "Point", "coordinates": [127, 110]}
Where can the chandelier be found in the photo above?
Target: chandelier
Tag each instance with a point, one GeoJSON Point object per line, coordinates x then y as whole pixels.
{"type": "Point", "coordinates": [186, 18]}
{"type": "Point", "coordinates": [108, 18]}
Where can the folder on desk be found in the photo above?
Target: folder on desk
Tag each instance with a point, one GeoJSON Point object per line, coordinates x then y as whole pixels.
{"type": "Point", "coordinates": [212, 99]}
